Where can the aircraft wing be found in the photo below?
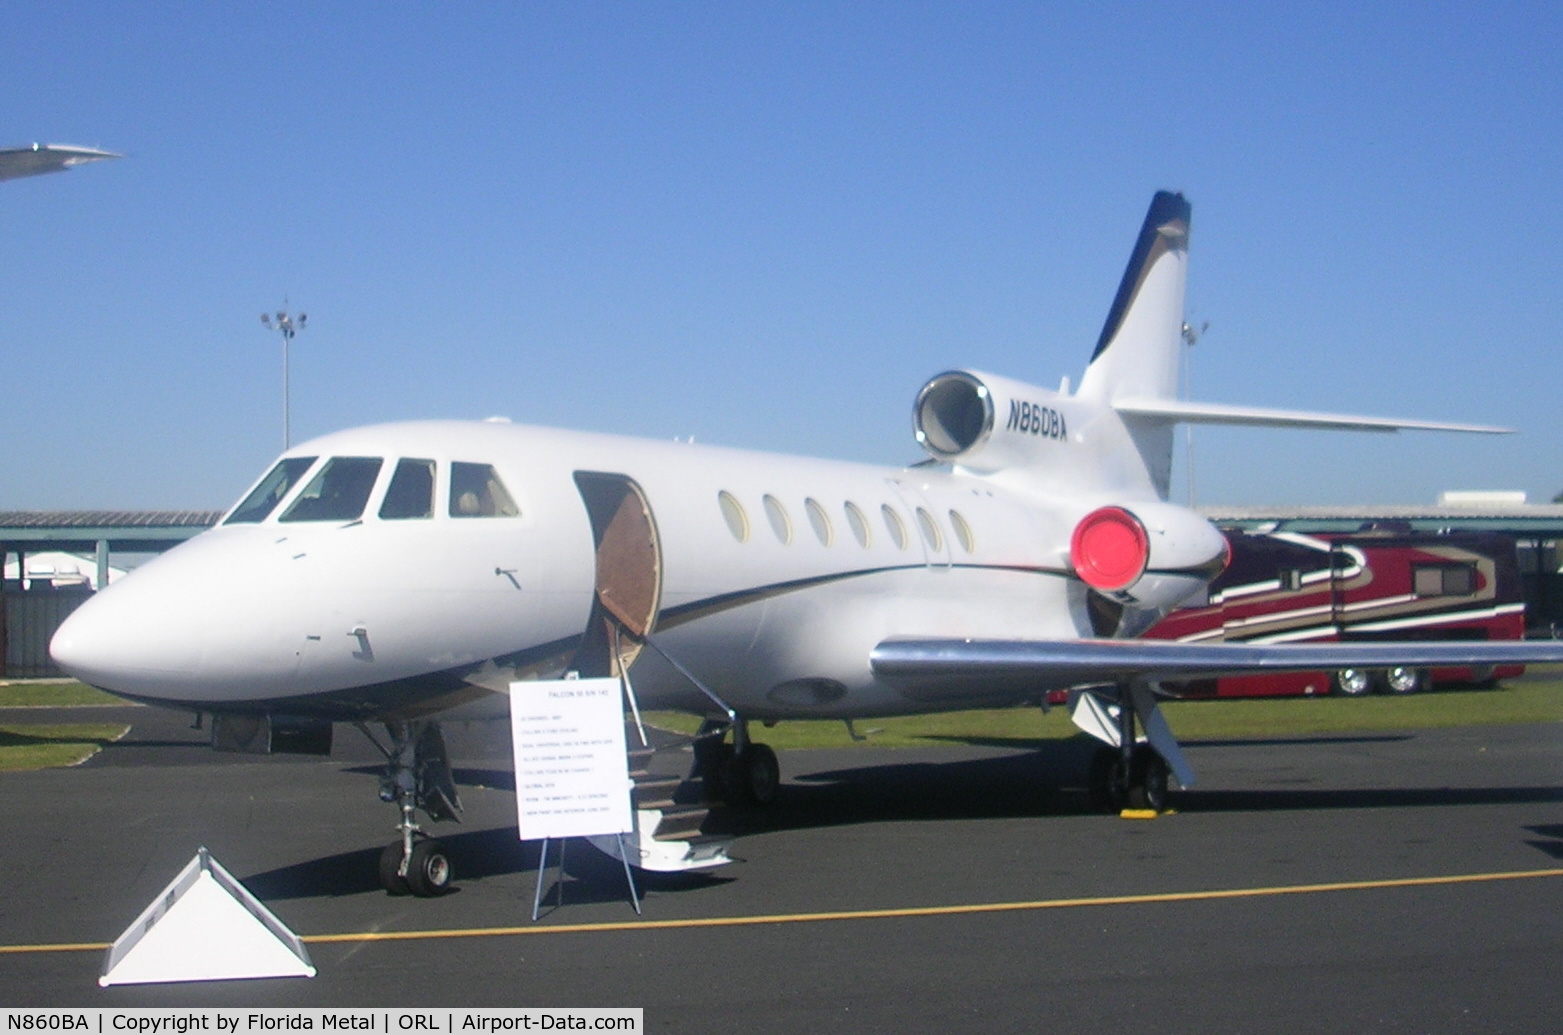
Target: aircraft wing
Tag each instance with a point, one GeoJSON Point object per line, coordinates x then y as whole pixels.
{"type": "Point", "coordinates": [1256, 416]}
{"type": "Point", "coordinates": [937, 670]}
{"type": "Point", "coordinates": [45, 158]}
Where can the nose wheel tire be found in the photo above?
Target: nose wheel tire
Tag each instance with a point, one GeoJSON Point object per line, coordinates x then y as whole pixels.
{"type": "Point", "coordinates": [429, 872]}
{"type": "Point", "coordinates": [390, 862]}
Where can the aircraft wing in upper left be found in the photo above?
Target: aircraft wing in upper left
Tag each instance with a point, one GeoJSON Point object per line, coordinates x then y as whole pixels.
{"type": "Point", "coordinates": [16, 162]}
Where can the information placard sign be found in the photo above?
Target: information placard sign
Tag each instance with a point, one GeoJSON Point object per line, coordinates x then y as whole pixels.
{"type": "Point", "coordinates": [572, 773]}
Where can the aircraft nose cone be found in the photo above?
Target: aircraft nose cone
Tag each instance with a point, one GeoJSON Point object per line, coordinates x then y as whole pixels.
{"type": "Point", "coordinates": [216, 619]}
{"type": "Point", "coordinates": [125, 639]}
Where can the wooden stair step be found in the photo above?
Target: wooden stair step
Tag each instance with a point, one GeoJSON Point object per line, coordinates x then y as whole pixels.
{"type": "Point", "coordinates": [680, 824]}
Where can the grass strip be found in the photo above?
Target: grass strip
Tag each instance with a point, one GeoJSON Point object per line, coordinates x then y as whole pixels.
{"type": "Point", "coordinates": [1522, 702]}
{"type": "Point", "coordinates": [24, 746]}
{"type": "Point", "coordinates": [66, 694]}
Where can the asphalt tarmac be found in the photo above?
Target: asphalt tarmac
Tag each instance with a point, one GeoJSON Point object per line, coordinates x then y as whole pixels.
{"type": "Point", "coordinates": [795, 936]}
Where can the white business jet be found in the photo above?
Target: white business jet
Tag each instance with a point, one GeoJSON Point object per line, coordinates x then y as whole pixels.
{"type": "Point", "coordinates": [402, 572]}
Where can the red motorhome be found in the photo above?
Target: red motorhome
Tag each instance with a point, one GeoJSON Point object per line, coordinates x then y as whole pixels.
{"type": "Point", "coordinates": [1375, 584]}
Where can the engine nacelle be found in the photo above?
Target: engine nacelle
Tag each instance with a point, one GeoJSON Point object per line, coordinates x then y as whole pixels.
{"type": "Point", "coordinates": [987, 422]}
{"type": "Point", "coordinates": [1146, 554]}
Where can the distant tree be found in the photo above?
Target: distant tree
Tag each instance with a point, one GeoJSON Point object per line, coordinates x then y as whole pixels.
{"type": "Point", "coordinates": [1558, 498]}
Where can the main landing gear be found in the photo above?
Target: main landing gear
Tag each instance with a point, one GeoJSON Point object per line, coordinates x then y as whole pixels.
{"type": "Point", "coordinates": [1131, 773]}
{"type": "Point", "coordinates": [743, 772]}
{"type": "Point", "coordinates": [417, 776]}
{"type": "Point", "coordinates": [1139, 781]}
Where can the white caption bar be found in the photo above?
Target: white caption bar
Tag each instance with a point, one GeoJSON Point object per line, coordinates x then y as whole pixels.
{"type": "Point", "coordinates": [385, 1022]}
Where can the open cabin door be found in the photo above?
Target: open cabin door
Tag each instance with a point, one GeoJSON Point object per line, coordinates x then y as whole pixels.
{"type": "Point", "coordinates": [629, 573]}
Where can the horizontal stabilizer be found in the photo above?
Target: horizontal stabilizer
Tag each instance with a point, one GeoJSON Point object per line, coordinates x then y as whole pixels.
{"type": "Point", "coordinates": [1173, 410]}
{"type": "Point", "coordinates": [45, 158]}
{"type": "Point", "coordinates": [949, 670]}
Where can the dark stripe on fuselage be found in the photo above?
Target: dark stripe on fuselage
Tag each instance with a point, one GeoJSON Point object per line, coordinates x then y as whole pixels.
{"type": "Point", "coordinates": [417, 695]}
{"type": "Point", "coordinates": [676, 616]}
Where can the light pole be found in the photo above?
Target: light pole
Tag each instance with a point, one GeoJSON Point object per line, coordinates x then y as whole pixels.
{"type": "Point", "coordinates": [288, 327]}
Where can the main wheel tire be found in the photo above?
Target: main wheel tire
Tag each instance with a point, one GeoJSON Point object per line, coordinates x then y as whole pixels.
{"type": "Point", "coordinates": [1402, 679]}
{"type": "Point", "coordinates": [753, 776]}
{"type": "Point", "coordinates": [429, 872]}
{"type": "Point", "coordinates": [1099, 781]}
{"type": "Point", "coordinates": [390, 862]}
{"type": "Point", "coordinates": [714, 758]}
{"type": "Point", "coordinates": [1148, 776]}
{"type": "Point", "coordinates": [1352, 682]}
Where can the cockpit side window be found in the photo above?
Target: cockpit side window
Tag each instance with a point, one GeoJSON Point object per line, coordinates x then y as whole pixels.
{"type": "Point", "coordinates": [411, 492]}
{"type": "Point", "coordinates": [265, 497]}
{"type": "Point", "coordinates": [338, 492]}
{"type": "Point", "coordinates": [476, 491]}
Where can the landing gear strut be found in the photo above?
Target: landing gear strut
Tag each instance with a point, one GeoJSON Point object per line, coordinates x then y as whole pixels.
{"type": "Point", "coordinates": [417, 776]}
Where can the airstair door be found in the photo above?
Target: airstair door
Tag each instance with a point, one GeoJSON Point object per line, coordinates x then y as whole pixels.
{"type": "Point", "coordinates": [629, 573]}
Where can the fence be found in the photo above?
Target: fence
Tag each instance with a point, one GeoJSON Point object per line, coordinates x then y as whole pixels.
{"type": "Point", "coordinates": [31, 617]}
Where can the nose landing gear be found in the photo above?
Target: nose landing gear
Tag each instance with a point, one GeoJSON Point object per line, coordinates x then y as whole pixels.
{"type": "Point", "coordinates": [426, 871]}
{"type": "Point", "coordinates": [417, 776]}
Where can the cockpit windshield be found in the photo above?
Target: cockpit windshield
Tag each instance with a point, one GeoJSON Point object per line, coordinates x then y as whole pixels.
{"type": "Point", "coordinates": [411, 492]}
{"type": "Point", "coordinates": [265, 497]}
{"type": "Point", "coordinates": [338, 492]}
{"type": "Point", "coordinates": [476, 491]}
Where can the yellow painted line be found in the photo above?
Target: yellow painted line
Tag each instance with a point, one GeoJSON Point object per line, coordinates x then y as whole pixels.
{"type": "Point", "coordinates": [878, 914]}
{"type": "Point", "coordinates": [67, 947]}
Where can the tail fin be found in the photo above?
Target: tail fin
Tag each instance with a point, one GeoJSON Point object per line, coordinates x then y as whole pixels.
{"type": "Point", "coordinates": [1137, 354]}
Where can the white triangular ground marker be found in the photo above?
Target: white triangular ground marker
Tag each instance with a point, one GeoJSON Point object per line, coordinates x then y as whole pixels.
{"type": "Point", "coordinates": [204, 927]}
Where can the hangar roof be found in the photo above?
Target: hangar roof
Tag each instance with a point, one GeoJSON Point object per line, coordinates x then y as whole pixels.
{"type": "Point", "coordinates": [125, 530]}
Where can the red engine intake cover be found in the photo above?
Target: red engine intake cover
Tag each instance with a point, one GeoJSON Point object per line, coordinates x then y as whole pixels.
{"type": "Point", "coordinates": [1109, 549]}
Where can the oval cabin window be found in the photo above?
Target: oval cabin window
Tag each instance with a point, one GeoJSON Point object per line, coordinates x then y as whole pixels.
{"type": "Point", "coordinates": [781, 524]}
{"type": "Point", "coordinates": [895, 526]}
{"type": "Point", "coordinates": [819, 521]}
{"type": "Point", "coordinates": [858, 523]}
{"type": "Point", "coordinates": [962, 531]}
{"type": "Point", "coordinates": [733, 514]}
{"type": "Point", "coordinates": [930, 530]}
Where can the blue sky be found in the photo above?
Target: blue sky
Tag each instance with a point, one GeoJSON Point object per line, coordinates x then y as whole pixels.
{"type": "Point", "coordinates": [766, 225]}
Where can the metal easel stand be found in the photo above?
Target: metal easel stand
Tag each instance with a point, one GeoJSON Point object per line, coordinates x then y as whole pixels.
{"type": "Point", "coordinates": [542, 859]}
{"type": "Point", "coordinates": [542, 868]}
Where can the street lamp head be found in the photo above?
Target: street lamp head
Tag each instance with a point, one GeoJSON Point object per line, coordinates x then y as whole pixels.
{"type": "Point", "coordinates": [289, 326]}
